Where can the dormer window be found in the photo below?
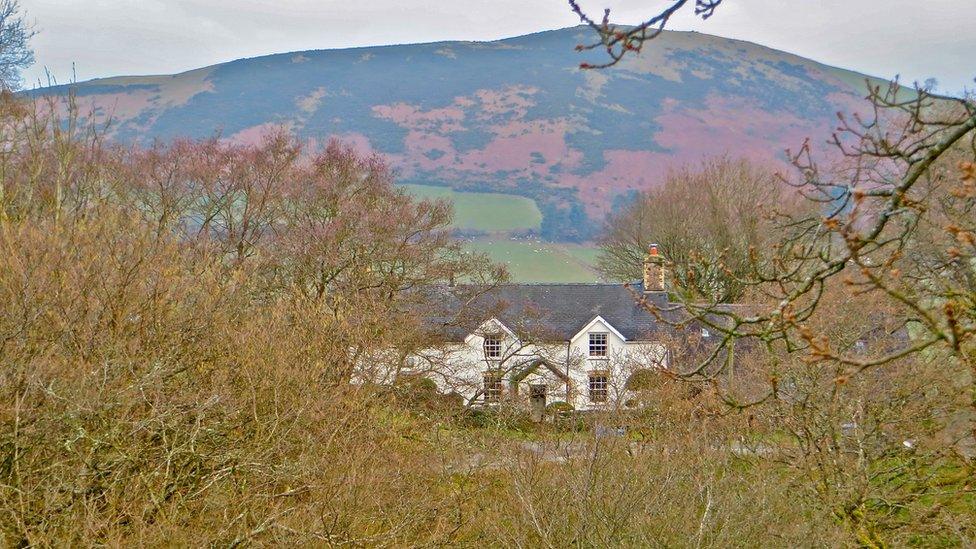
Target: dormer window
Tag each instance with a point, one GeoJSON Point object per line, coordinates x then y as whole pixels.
{"type": "Point", "coordinates": [598, 345]}
{"type": "Point", "coordinates": [705, 333]}
{"type": "Point", "coordinates": [493, 346]}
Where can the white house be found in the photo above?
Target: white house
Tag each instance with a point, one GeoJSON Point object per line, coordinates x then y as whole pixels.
{"type": "Point", "coordinates": [536, 344]}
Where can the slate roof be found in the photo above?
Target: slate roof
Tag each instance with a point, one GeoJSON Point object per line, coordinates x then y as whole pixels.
{"type": "Point", "coordinates": [552, 312]}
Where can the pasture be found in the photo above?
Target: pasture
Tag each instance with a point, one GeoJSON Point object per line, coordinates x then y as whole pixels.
{"type": "Point", "coordinates": [488, 212]}
{"type": "Point", "coordinates": [538, 261]}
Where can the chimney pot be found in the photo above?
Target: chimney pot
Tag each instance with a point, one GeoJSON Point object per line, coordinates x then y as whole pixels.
{"type": "Point", "coordinates": [653, 271]}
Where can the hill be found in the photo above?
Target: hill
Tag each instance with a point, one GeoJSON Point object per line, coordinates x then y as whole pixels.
{"type": "Point", "coordinates": [514, 116]}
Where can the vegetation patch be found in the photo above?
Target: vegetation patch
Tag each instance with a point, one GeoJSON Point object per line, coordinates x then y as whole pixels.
{"type": "Point", "coordinates": [537, 261]}
{"type": "Point", "coordinates": [488, 212]}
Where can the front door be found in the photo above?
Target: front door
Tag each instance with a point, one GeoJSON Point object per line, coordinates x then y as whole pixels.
{"type": "Point", "coordinates": [537, 401]}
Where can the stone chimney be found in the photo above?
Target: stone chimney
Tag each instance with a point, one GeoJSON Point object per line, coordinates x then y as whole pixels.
{"type": "Point", "coordinates": [653, 271]}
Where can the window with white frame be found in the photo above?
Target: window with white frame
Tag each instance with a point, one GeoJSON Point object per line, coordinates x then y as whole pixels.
{"type": "Point", "coordinates": [493, 386]}
{"type": "Point", "coordinates": [493, 346]}
{"type": "Point", "coordinates": [598, 344]}
{"type": "Point", "coordinates": [598, 386]}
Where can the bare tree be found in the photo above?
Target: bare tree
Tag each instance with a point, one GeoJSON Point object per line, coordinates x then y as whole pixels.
{"type": "Point", "coordinates": [725, 210]}
{"type": "Point", "coordinates": [894, 220]}
{"type": "Point", "coordinates": [15, 51]}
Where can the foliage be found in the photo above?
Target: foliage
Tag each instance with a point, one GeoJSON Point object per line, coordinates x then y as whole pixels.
{"type": "Point", "coordinates": [15, 51]}
{"type": "Point", "coordinates": [566, 223]}
{"type": "Point", "coordinates": [559, 407]}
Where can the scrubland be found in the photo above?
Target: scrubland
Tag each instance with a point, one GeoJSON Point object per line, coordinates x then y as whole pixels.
{"type": "Point", "coordinates": [183, 327]}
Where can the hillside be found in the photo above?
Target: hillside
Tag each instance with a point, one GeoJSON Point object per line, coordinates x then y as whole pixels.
{"type": "Point", "coordinates": [513, 116]}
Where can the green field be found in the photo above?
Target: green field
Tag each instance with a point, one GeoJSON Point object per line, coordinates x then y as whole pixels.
{"type": "Point", "coordinates": [488, 212]}
{"type": "Point", "coordinates": [499, 215]}
{"type": "Point", "coordinates": [536, 261]}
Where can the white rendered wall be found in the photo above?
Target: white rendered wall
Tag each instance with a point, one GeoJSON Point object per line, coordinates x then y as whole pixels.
{"type": "Point", "coordinates": [460, 367]}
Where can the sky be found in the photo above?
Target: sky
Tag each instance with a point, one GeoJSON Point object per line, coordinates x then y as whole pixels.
{"type": "Point", "coordinates": [86, 39]}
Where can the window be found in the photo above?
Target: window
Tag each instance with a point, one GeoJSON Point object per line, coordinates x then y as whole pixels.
{"type": "Point", "coordinates": [598, 386]}
{"type": "Point", "coordinates": [598, 345]}
{"type": "Point", "coordinates": [705, 333]}
{"type": "Point", "coordinates": [493, 346]}
{"type": "Point", "coordinates": [493, 386]}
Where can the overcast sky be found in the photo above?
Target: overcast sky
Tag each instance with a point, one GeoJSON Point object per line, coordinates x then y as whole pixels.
{"type": "Point", "coordinates": [915, 38]}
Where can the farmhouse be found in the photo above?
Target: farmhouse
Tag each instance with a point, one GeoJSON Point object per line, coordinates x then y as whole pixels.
{"type": "Point", "coordinates": [539, 344]}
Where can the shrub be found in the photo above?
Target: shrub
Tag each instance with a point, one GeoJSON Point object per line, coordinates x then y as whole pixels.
{"type": "Point", "coordinates": [559, 408]}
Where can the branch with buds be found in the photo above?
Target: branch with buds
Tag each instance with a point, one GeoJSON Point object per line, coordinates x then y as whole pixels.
{"type": "Point", "coordinates": [619, 40]}
{"type": "Point", "coordinates": [894, 224]}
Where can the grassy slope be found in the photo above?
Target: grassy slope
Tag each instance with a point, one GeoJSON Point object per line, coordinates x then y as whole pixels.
{"type": "Point", "coordinates": [536, 261]}
{"type": "Point", "coordinates": [489, 212]}
{"type": "Point", "coordinates": [500, 214]}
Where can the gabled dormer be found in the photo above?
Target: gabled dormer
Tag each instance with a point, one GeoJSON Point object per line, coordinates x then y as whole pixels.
{"type": "Point", "coordinates": [598, 338]}
{"type": "Point", "coordinates": [495, 340]}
